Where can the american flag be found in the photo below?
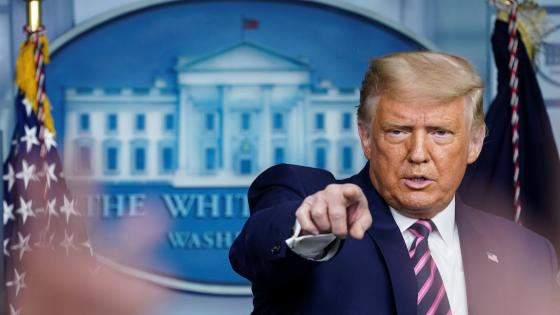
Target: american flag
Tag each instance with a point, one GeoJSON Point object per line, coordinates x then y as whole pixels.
{"type": "Point", "coordinates": [39, 210]}
{"type": "Point", "coordinates": [250, 24]}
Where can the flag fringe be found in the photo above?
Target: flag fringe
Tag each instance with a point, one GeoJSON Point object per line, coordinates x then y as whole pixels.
{"type": "Point", "coordinates": [26, 69]}
{"type": "Point", "coordinates": [534, 25]}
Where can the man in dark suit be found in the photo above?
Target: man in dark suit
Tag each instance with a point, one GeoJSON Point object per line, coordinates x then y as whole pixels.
{"type": "Point", "coordinates": [414, 247]}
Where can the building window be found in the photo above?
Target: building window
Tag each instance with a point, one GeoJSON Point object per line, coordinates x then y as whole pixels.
{"type": "Point", "coordinates": [279, 155]}
{"type": "Point", "coordinates": [140, 159]}
{"type": "Point", "coordinates": [209, 121]}
{"type": "Point", "coordinates": [169, 122]}
{"type": "Point", "coordinates": [244, 157]}
{"type": "Point", "coordinates": [245, 121]}
{"type": "Point", "coordinates": [84, 122]}
{"type": "Point", "coordinates": [319, 121]}
{"type": "Point", "coordinates": [278, 122]}
{"type": "Point", "coordinates": [210, 159]}
{"type": "Point", "coordinates": [112, 123]}
{"type": "Point", "coordinates": [319, 153]}
{"type": "Point", "coordinates": [83, 156]}
{"type": "Point", "coordinates": [111, 157]}
{"type": "Point", "coordinates": [347, 157]}
{"type": "Point", "coordinates": [166, 157]}
{"type": "Point", "coordinates": [84, 159]}
{"type": "Point", "coordinates": [346, 121]}
{"type": "Point", "coordinates": [140, 122]}
{"type": "Point", "coordinates": [139, 153]}
{"type": "Point", "coordinates": [321, 157]}
{"type": "Point", "coordinates": [245, 166]}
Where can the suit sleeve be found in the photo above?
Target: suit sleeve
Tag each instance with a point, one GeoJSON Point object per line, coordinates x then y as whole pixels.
{"type": "Point", "coordinates": [260, 253]}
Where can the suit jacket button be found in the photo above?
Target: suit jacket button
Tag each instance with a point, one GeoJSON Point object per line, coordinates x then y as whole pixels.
{"type": "Point", "coordinates": [275, 249]}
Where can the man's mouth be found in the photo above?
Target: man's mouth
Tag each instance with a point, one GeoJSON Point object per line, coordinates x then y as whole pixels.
{"type": "Point", "coordinates": [417, 182]}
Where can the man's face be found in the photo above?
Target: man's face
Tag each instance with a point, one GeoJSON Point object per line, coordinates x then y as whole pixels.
{"type": "Point", "coordinates": [418, 153]}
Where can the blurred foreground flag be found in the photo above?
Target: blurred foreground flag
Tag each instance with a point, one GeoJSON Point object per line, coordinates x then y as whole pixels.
{"type": "Point", "coordinates": [517, 175]}
{"type": "Point", "coordinates": [39, 211]}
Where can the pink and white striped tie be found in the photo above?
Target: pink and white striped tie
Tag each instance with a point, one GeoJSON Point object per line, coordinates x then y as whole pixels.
{"type": "Point", "coordinates": [432, 299]}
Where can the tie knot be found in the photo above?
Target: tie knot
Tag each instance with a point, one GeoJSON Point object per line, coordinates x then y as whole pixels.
{"type": "Point", "coordinates": [423, 228]}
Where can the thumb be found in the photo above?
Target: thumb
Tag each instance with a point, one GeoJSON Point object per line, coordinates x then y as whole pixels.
{"type": "Point", "coordinates": [358, 214]}
{"type": "Point", "coordinates": [358, 228]}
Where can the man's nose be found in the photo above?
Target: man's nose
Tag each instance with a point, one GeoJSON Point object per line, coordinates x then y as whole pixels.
{"type": "Point", "coordinates": [417, 151]}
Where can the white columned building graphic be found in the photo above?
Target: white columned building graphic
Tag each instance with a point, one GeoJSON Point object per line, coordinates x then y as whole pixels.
{"type": "Point", "coordinates": [230, 115]}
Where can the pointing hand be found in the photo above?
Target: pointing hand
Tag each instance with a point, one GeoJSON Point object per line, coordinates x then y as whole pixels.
{"type": "Point", "coordinates": [340, 209]}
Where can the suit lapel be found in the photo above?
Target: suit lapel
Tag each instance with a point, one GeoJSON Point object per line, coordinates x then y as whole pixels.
{"type": "Point", "coordinates": [386, 234]}
{"type": "Point", "coordinates": [479, 253]}
{"type": "Point", "coordinates": [481, 257]}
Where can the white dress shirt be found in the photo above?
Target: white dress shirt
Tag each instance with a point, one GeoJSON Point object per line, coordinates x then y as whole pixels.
{"type": "Point", "coordinates": [444, 247]}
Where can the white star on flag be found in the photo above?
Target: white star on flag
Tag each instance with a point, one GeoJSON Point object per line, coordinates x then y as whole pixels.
{"type": "Point", "coordinates": [30, 138]}
{"type": "Point", "coordinates": [27, 173]}
{"type": "Point", "coordinates": [8, 212]}
{"type": "Point", "coordinates": [68, 209]}
{"type": "Point", "coordinates": [18, 282]}
{"type": "Point", "coordinates": [68, 242]}
{"type": "Point", "coordinates": [10, 177]}
{"type": "Point", "coordinates": [95, 270]}
{"type": "Point", "coordinates": [50, 241]}
{"type": "Point", "coordinates": [28, 106]}
{"type": "Point", "coordinates": [48, 138]}
{"type": "Point", "coordinates": [45, 241]}
{"type": "Point", "coordinates": [13, 311]}
{"type": "Point", "coordinates": [25, 209]}
{"type": "Point", "coordinates": [23, 245]}
{"type": "Point", "coordinates": [87, 244]}
{"type": "Point", "coordinates": [51, 210]}
{"type": "Point", "coordinates": [6, 241]}
{"type": "Point", "coordinates": [48, 169]}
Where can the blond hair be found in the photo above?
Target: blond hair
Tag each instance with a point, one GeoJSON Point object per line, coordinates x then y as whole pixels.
{"type": "Point", "coordinates": [433, 75]}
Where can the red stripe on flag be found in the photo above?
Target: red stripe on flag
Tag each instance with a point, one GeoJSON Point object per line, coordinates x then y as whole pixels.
{"type": "Point", "coordinates": [250, 24]}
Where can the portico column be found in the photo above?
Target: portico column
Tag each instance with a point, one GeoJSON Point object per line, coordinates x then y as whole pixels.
{"type": "Point", "coordinates": [265, 138]}
{"type": "Point", "coordinates": [182, 122]}
{"type": "Point", "coordinates": [226, 128]}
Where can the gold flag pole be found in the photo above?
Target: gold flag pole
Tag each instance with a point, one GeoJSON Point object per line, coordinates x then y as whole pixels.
{"type": "Point", "coordinates": [33, 15]}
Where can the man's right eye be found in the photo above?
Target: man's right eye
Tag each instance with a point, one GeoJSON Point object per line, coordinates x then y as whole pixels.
{"type": "Point", "coordinates": [395, 132]}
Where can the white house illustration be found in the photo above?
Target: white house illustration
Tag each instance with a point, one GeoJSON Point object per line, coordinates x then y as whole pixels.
{"type": "Point", "coordinates": [233, 114]}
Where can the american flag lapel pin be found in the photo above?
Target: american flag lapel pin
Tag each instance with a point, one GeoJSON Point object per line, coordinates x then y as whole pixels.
{"type": "Point", "coordinates": [492, 257]}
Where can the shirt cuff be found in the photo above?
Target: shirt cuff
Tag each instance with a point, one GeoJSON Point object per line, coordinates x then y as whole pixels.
{"type": "Point", "coordinates": [320, 247]}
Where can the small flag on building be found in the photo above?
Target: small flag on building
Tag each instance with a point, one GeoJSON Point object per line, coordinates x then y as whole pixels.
{"type": "Point", "coordinates": [250, 24]}
{"type": "Point", "coordinates": [39, 211]}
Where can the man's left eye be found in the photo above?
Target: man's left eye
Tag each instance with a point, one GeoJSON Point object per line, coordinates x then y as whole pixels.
{"type": "Point", "coordinates": [441, 133]}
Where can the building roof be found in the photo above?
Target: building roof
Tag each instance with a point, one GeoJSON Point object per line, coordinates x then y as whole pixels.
{"type": "Point", "coordinates": [244, 56]}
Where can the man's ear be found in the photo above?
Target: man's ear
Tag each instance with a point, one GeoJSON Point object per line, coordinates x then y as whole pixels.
{"type": "Point", "coordinates": [475, 144]}
{"type": "Point", "coordinates": [365, 138]}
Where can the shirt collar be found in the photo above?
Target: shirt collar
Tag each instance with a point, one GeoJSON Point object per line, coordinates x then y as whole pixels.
{"type": "Point", "coordinates": [444, 221]}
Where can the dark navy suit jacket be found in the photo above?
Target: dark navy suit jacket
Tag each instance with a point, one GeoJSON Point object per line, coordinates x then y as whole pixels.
{"type": "Point", "coordinates": [375, 275]}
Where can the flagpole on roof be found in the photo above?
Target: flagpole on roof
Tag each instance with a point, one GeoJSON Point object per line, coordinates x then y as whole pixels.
{"type": "Point", "coordinates": [242, 28]}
